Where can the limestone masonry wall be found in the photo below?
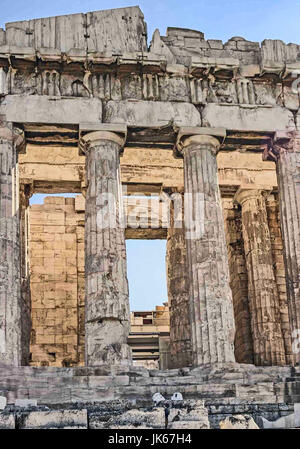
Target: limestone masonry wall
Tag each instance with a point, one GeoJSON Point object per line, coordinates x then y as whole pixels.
{"type": "Point", "coordinates": [57, 283]}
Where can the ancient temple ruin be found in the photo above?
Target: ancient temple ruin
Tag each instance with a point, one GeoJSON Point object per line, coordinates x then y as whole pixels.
{"type": "Point", "coordinates": [87, 107]}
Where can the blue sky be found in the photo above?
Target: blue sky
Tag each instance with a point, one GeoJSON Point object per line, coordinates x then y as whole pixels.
{"type": "Point", "coordinates": [255, 20]}
{"type": "Point", "coordinates": [219, 19]}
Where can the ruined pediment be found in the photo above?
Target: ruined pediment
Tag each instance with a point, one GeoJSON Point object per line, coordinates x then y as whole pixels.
{"type": "Point", "coordinates": [112, 31]}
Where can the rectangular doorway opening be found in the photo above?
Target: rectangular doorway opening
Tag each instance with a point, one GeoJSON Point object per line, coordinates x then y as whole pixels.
{"type": "Point", "coordinates": [150, 329]}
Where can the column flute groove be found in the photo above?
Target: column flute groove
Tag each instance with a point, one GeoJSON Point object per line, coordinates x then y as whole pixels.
{"type": "Point", "coordinates": [285, 151]}
{"type": "Point", "coordinates": [11, 351]}
{"type": "Point", "coordinates": [107, 298]}
{"type": "Point", "coordinates": [268, 342]}
{"type": "Point", "coordinates": [211, 308]}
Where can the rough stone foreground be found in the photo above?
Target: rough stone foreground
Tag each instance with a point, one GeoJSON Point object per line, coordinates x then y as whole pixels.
{"type": "Point", "coordinates": [118, 397]}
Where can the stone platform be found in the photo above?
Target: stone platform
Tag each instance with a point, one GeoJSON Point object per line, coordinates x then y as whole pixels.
{"type": "Point", "coordinates": [120, 396]}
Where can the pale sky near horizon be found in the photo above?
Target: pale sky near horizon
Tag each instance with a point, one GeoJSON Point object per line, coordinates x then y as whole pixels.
{"type": "Point", "coordinates": [254, 20]}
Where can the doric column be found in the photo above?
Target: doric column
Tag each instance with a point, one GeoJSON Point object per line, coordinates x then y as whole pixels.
{"type": "Point", "coordinates": [243, 345]}
{"type": "Point", "coordinates": [211, 308]}
{"type": "Point", "coordinates": [107, 301]}
{"type": "Point", "coordinates": [178, 287]}
{"type": "Point", "coordinates": [286, 153]}
{"type": "Point", "coordinates": [25, 194]}
{"type": "Point", "coordinates": [10, 277]}
{"type": "Point", "coordinates": [268, 343]}
{"type": "Point", "coordinates": [272, 205]}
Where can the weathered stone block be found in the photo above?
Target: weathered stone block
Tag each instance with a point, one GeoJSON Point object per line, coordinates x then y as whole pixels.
{"type": "Point", "coordinates": [7, 421]}
{"type": "Point", "coordinates": [238, 422]}
{"type": "Point", "coordinates": [26, 403]}
{"type": "Point", "coordinates": [3, 402]}
{"type": "Point", "coordinates": [189, 425]}
{"type": "Point", "coordinates": [297, 414]}
{"type": "Point", "coordinates": [285, 422]}
{"type": "Point", "coordinates": [244, 118]}
{"type": "Point", "coordinates": [151, 113]}
{"type": "Point", "coordinates": [36, 109]}
{"type": "Point", "coordinates": [66, 419]}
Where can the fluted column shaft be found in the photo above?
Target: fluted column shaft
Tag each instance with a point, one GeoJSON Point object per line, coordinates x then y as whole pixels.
{"type": "Point", "coordinates": [243, 345]}
{"type": "Point", "coordinates": [25, 193]}
{"type": "Point", "coordinates": [268, 342]}
{"type": "Point", "coordinates": [286, 153]}
{"type": "Point", "coordinates": [272, 205]}
{"type": "Point", "coordinates": [10, 277]}
{"type": "Point", "coordinates": [178, 291]}
{"type": "Point", "coordinates": [211, 308]}
{"type": "Point", "coordinates": [107, 300]}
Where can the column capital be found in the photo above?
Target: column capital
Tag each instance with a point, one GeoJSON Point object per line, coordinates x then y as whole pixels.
{"type": "Point", "coordinates": [207, 137]}
{"type": "Point", "coordinates": [12, 134]}
{"type": "Point", "coordinates": [247, 192]}
{"type": "Point", "coordinates": [92, 134]}
{"type": "Point", "coordinates": [283, 141]}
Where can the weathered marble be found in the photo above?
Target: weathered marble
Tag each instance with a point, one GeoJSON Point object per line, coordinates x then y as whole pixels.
{"type": "Point", "coordinates": [286, 153]}
{"type": "Point", "coordinates": [268, 343]}
{"type": "Point", "coordinates": [107, 303]}
{"type": "Point", "coordinates": [10, 286]}
{"type": "Point", "coordinates": [178, 287]}
{"type": "Point", "coordinates": [243, 344]}
{"type": "Point", "coordinates": [211, 309]}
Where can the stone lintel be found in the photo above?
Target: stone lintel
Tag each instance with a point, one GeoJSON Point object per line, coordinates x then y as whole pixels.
{"type": "Point", "coordinates": [51, 110]}
{"type": "Point", "coordinates": [91, 133]}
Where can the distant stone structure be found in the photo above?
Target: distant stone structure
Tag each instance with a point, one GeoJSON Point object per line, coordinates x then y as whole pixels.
{"type": "Point", "coordinates": [87, 107]}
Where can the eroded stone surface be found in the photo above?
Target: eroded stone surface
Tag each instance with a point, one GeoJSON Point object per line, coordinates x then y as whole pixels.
{"type": "Point", "coordinates": [178, 292]}
{"type": "Point", "coordinates": [10, 287]}
{"type": "Point", "coordinates": [7, 421]}
{"type": "Point", "coordinates": [65, 419]}
{"type": "Point", "coordinates": [211, 309]}
{"type": "Point", "coordinates": [286, 153]}
{"type": "Point", "coordinates": [107, 303]}
{"type": "Point", "coordinates": [3, 402]}
{"type": "Point", "coordinates": [268, 342]}
{"type": "Point", "coordinates": [238, 422]}
{"type": "Point", "coordinates": [24, 109]}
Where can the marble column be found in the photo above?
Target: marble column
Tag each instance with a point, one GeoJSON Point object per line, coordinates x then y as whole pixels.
{"type": "Point", "coordinates": [107, 301]}
{"type": "Point", "coordinates": [211, 308]}
{"type": "Point", "coordinates": [10, 266]}
{"type": "Point", "coordinates": [286, 153]}
{"type": "Point", "coordinates": [272, 205]}
{"type": "Point", "coordinates": [267, 337]}
{"type": "Point", "coordinates": [243, 345]}
{"type": "Point", "coordinates": [25, 194]}
{"type": "Point", "coordinates": [178, 287]}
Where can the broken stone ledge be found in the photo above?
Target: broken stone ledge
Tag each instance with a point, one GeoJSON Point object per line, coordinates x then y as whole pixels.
{"type": "Point", "coordinates": [234, 383]}
{"type": "Point", "coordinates": [138, 414]}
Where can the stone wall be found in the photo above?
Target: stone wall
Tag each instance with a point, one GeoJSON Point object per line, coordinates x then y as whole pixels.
{"type": "Point", "coordinates": [57, 283]}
